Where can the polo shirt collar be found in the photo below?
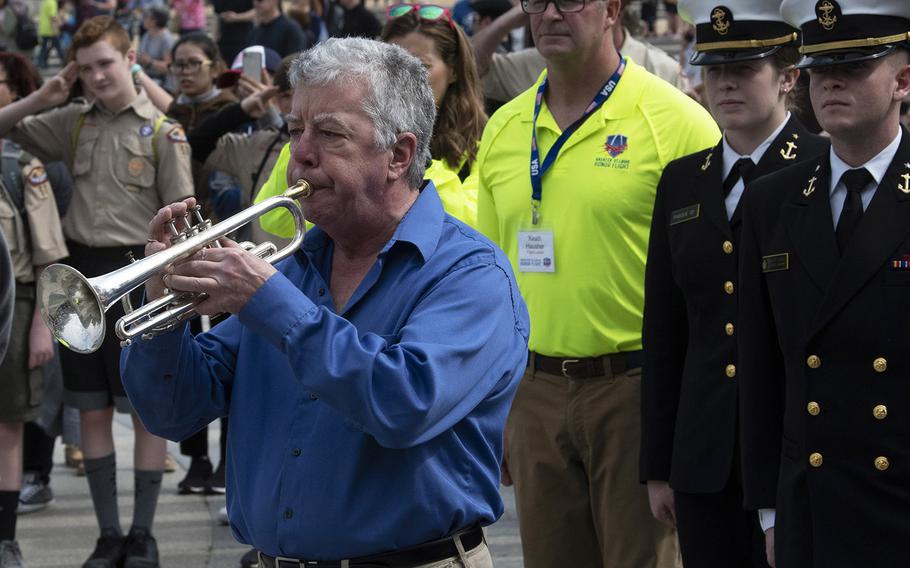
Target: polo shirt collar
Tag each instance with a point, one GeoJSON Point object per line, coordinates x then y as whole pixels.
{"type": "Point", "coordinates": [621, 103]}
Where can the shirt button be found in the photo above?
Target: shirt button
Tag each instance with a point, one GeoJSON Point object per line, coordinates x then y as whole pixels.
{"type": "Point", "coordinates": [880, 365]}
{"type": "Point", "coordinates": [288, 513]}
{"type": "Point", "coordinates": [728, 247]}
{"type": "Point", "coordinates": [880, 412]}
{"type": "Point", "coordinates": [813, 408]}
{"type": "Point", "coordinates": [296, 452]}
{"type": "Point", "coordinates": [728, 287]}
{"type": "Point", "coordinates": [731, 371]}
{"type": "Point", "coordinates": [816, 459]}
{"type": "Point", "coordinates": [728, 329]}
{"type": "Point", "coordinates": [814, 361]}
{"type": "Point", "coordinates": [321, 291]}
{"type": "Point", "coordinates": [882, 463]}
{"type": "Point", "coordinates": [313, 396]}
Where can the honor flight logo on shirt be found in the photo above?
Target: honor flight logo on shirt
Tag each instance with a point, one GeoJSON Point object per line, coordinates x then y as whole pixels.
{"type": "Point", "coordinates": [615, 146]}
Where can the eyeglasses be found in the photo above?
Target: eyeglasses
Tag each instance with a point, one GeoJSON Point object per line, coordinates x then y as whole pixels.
{"type": "Point", "coordinates": [562, 6]}
{"type": "Point", "coordinates": [190, 65]}
{"type": "Point", "coordinates": [428, 12]}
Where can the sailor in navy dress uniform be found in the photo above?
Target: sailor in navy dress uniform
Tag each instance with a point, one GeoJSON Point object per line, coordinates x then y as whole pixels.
{"type": "Point", "coordinates": [825, 293]}
{"type": "Point", "coordinates": [689, 451]}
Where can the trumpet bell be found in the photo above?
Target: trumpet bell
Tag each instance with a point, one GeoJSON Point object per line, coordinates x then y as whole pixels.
{"type": "Point", "coordinates": [71, 308]}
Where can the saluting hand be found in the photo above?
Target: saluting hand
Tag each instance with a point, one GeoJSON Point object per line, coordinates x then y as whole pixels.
{"type": "Point", "coordinates": [56, 90]}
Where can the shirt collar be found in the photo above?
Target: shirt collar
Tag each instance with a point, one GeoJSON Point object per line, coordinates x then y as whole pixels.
{"type": "Point", "coordinates": [622, 102]}
{"type": "Point", "coordinates": [141, 105]}
{"type": "Point", "coordinates": [877, 166]}
{"type": "Point", "coordinates": [421, 226]}
{"type": "Point", "coordinates": [731, 156]}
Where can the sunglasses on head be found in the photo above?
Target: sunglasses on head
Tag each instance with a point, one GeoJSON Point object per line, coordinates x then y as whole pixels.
{"type": "Point", "coordinates": [428, 12]}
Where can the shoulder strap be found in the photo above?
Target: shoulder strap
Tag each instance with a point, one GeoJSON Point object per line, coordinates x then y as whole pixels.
{"type": "Point", "coordinates": [265, 158]}
{"type": "Point", "coordinates": [158, 122]}
{"type": "Point", "coordinates": [11, 174]}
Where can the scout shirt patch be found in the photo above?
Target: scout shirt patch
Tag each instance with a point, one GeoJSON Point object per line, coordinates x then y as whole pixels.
{"type": "Point", "coordinates": [136, 166]}
{"type": "Point", "coordinates": [177, 135]}
{"type": "Point", "coordinates": [37, 179]}
{"type": "Point", "coordinates": [685, 214]}
{"type": "Point", "coordinates": [615, 145]}
{"type": "Point", "coordinates": [775, 262]}
{"type": "Point", "coordinates": [146, 130]}
{"type": "Point", "coordinates": [902, 265]}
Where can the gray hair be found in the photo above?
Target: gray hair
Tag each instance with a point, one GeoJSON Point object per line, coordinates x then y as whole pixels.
{"type": "Point", "coordinates": [398, 99]}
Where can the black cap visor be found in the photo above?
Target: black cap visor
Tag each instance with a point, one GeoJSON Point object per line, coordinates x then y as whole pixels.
{"type": "Point", "coordinates": [724, 56]}
{"type": "Point", "coordinates": [845, 56]}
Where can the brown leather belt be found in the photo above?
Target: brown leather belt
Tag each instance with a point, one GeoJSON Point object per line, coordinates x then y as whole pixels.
{"type": "Point", "coordinates": [425, 553]}
{"type": "Point", "coordinates": [587, 367]}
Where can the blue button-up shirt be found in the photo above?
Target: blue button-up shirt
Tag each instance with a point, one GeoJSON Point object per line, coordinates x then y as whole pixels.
{"type": "Point", "coordinates": [359, 432]}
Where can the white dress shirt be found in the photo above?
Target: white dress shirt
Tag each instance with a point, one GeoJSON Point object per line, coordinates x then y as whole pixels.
{"type": "Point", "coordinates": [731, 156]}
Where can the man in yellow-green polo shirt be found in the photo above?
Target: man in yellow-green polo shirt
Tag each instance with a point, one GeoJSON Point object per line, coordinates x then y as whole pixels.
{"type": "Point", "coordinates": [570, 202]}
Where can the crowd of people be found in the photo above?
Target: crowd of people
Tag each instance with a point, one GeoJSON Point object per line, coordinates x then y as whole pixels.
{"type": "Point", "coordinates": [539, 253]}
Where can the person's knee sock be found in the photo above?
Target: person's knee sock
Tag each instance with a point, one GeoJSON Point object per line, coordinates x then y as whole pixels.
{"type": "Point", "coordinates": [148, 485]}
{"type": "Point", "coordinates": [9, 500]}
{"type": "Point", "coordinates": [102, 483]}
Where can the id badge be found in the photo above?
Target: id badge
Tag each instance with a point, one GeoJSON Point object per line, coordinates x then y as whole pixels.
{"type": "Point", "coordinates": [535, 250]}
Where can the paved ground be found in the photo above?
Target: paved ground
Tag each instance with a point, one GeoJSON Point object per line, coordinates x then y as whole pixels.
{"type": "Point", "coordinates": [188, 533]}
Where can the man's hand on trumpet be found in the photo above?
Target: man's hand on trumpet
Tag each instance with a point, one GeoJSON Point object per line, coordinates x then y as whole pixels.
{"type": "Point", "coordinates": [228, 275]}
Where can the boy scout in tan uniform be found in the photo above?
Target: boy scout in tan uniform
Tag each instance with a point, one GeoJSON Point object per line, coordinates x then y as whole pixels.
{"type": "Point", "coordinates": [127, 161]}
{"type": "Point", "coordinates": [30, 224]}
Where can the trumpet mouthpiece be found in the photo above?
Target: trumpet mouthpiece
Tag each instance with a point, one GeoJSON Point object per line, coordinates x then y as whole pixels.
{"type": "Point", "coordinates": [300, 190]}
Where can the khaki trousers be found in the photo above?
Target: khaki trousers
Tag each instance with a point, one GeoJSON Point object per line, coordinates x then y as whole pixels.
{"type": "Point", "coordinates": [573, 455]}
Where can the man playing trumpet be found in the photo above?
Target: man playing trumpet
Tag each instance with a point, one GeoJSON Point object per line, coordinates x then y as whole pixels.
{"type": "Point", "coordinates": [369, 376]}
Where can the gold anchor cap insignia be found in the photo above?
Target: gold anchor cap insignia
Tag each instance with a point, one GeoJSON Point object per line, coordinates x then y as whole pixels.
{"type": "Point", "coordinates": [811, 188]}
{"type": "Point", "coordinates": [827, 12]}
{"type": "Point", "coordinates": [721, 20]}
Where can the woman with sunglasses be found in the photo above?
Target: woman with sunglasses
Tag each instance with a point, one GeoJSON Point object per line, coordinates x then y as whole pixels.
{"type": "Point", "coordinates": [690, 455]}
{"type": "Point", "coordinates": [195, 64]}
{"type": "Point", "coordinates": [429, 33]}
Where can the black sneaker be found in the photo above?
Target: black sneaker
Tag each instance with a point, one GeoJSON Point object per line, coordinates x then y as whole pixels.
{"type": "Point", "coordinates": [250, 559]}
{"type": "Point", "coordinates": [108, 551]}
{"type": "Point", "coordinates": [141, 550]}
{"type": "Point", "coordinates": [197, 477]}
{"type": "Point", "coordinates": [34, 495]}
{"type": "Point", "coordinates": [215, 486]}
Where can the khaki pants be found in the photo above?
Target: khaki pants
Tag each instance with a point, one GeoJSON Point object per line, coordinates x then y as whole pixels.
{"type": "Point", "coordinates": [573, 456]}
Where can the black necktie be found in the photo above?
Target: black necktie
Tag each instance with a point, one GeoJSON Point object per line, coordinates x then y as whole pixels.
{"type": "Point", "coordinates": [741, 169]}
{"type": "Point", "coordinates": [852, 213]}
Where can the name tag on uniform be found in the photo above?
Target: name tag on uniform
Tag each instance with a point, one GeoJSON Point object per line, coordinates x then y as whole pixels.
{"type": "Point", "coordinates": [685, 214]}
{"type": "Point", "coordinates": [775, 262]}
{"type": "Point", "coordinates": [535, 251]}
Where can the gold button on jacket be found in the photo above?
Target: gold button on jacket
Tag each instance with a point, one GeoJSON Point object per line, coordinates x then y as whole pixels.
{"type": "Point", "coordinates": [728, 287]}
{"type": "Point", "coordinates": [880, 365]}
{"type": "Point", "coordinates": [880, 412]}
{"type": "Point", "coordinates": [816, 459]}
{"type": "Point", "coordinates": [882, 463]}
{"type": "Point", "coordinates": [728, 329]}
{"type": "Point", "coordinates": [731, 371]}
{"type": "Point", "coordinates": [813, 408]}
{"type": "Point", "coordinates": [814, 361]}
{"type": "Point", "coordinates": [728, 247]}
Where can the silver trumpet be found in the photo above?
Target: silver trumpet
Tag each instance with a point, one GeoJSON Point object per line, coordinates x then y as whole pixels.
{"type": "Point", "coordinates": [73, 306]}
